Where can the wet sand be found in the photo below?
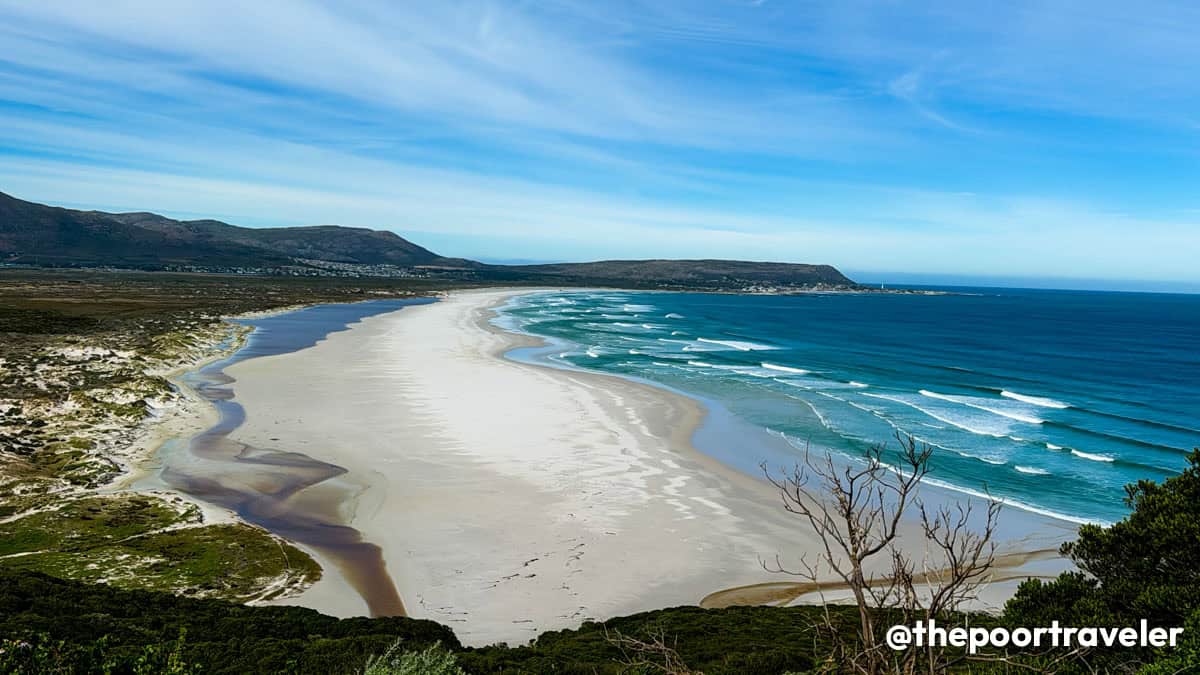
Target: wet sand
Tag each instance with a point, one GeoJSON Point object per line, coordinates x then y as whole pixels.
{"type": "Point", "coordinates": [286, 492]}
{"type": "Point", "coordinates": [506, 498]}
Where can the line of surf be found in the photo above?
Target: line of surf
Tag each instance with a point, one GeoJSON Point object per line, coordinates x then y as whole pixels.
{"type": "Point", "coordinates": [962, 400]}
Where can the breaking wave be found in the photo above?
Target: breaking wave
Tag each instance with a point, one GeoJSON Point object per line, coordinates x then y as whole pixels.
{"type": "Point", "coordinates": [1035, 400]}
{"type": "Point", "coordinates": [786, 369]}
{"type": "Point", "coordinates": [961, 424]}
{"type": "Point", "coordinates": [975, 403]}
{"type": "Point", "coordinates": [740, 345]}
{"type": "Point", "coordinates": [1093, 457]}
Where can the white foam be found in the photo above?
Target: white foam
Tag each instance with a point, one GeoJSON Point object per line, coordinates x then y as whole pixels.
{"type": "Point", "coordinates": [738, 369]}
{"type": "Point", "coordinates": [740, 345]}
{"type": "Point", "coordinates": [1033, 470]}
{"type": "Point", "coordinates": [1051, 446]}
{"type": "Point", "coordinates": [994, 461]}
{"type": "Point", "coordinates": [824, 422]}
{"type": "Point", "coordinates": [941, 418]}
{"type": "Point", "coordinates": [761, 373]}
{"type": "Point", "coordinates": [1035, 400]}
{"type": "Point", "coordinates": [671, 355]}
{"type": "Point", "coordinates": [860, 385]}
{"type": "Point", "coordinates": [786, 369]}
{"type": "Point", "coordinates": [673, 315]}
{"type": "Point", "coordinates": [1016, 504]}
{"type": "Point", "coordinates": [975, 403]}
{"type": "Point", "coordinates": [741, 370]}
{"type": "Point", "coordinates": [1007, 501]}
{"type": "Point", "coordinates": [637, 308]}
{"type": "Point", "coordinates": [593, 352]}
{"type": "Point", "coordinates": [1092, 457]}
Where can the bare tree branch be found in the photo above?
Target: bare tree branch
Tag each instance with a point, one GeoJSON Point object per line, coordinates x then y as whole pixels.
{"type": "Point", "coordinates": [857, 510]}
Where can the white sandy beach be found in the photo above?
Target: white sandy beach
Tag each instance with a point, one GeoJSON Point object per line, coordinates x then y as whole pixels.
{"type": "Point", "coordinates": [510, 499]}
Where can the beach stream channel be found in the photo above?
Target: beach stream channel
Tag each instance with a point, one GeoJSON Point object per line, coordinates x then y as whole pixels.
{"type": "Point", "coordinates": [288, 493]}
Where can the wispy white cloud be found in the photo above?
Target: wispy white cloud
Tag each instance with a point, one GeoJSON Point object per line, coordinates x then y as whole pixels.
{"type": "Point", "coordinates": [477, 64]}
{"type": "Point", "coordinates": [890, 229]}
{"type": "Point", "coordinates": [1106, 58]}
{"type": "Point", "coordinates": [855, 133]}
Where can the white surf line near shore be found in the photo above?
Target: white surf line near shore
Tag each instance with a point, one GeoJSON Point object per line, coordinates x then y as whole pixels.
{"type": "Point", "coordinates": [1039, 401]}
{"type": "Point", "coordinates": [973, 403]}
{"type": "Point", "coordinates": [510, 498]}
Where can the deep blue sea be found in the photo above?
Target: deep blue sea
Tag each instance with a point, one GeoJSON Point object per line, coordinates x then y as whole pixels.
{"type": "Point", "coordinates": [1051, 400]}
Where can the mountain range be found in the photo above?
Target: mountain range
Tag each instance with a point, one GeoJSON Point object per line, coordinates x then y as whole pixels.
{"type": "Point", "coordinates": [40, 235]}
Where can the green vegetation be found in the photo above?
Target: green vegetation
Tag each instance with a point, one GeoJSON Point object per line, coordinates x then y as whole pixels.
{"type": "Point", "coordinates": [1153, 557]}
{"type": "Point", "coordinates": [137, 541]}
{"type": "Point", "coordinates": [43, 655]}
{"type": "Point", "coordinates": [1144, 567]}
{"type": "Point", "coordinates": [433, 660]}
{"type": "Point", "coordinates": [138, 549]}
{"type": "Point", "coordinates": [224, 637]}
{"type": "Point", "coordinates": [41, 235]}
{"type": "Point", "coordinates": [45, 235]}
{"type": "Point", "coordinates": [87, 625]}
{"type": "Point", "coordinates": [731, 641]}
{"type": "Point", "coordinates": [88, 523]}
{"type": "Point", "coordinates": [83, 358]}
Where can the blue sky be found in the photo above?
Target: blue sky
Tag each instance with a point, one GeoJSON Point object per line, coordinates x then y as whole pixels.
{"type": "Point", "coordinates": [1015, 139]}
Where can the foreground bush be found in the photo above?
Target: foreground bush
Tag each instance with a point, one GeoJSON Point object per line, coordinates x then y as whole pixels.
{"type": "Point", "coordinates": [1145, 567]}
{"type": "Point", "coordinates": [430, 661]}
{"type": "Point", "coordinates": [83, 627]}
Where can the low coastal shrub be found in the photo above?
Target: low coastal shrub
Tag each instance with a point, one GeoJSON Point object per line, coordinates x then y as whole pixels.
{"type": "Point", "coordinates": [433, 660]}
{"type": "Point", "coordinates": [51, 625]}
{"type": "Point", "coordinates": [83, 626]}
{"type": "Point", "coordinates": [148, 543]}
{"type": "Point", "coordinates": [41, 654]}
{"type": "Point", "coordinates": [731, 641]}
{"type": "Point", "coordinates": [1146, 566]}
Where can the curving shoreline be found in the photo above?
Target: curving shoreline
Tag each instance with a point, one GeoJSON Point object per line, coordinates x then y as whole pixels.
{"type": "Point", "coordinates": [414, 457]}
{"type": "Point", "coordinates": [265, 487]}
{"type": "Point", "coordinates": [260, 485]}
{"type": "Point", "coordinates": [507, 498]}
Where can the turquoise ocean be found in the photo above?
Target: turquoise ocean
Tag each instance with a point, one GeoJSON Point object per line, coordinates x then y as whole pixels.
{"type": "Point", "coordinates": [1050, 400]}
